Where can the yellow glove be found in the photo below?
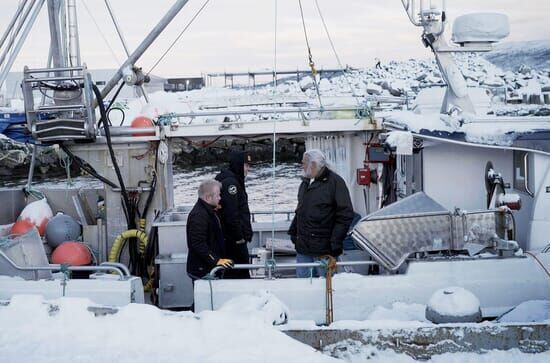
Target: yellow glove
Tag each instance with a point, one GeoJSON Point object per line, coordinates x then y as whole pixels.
{"type": "Point", "coordinates": [225, 262]}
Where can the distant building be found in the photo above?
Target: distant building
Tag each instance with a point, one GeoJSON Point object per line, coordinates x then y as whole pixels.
{"type": "Point", "coordinates": [183, 84]}
{"type": "Point", "coordinates": [11, 90]}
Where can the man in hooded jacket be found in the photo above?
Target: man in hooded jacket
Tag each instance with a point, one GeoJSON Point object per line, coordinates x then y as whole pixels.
{"type": "Point", "coordinates": [234, 213]}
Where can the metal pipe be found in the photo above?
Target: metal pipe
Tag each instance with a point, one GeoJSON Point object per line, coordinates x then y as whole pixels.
{"type": "Point", "coordinates": [9, 28]}
{"type": "Point", "coordinates": [264, 111]}
{"type": "Point", "coordinates": [17, 29]}
{"type": "Point", "coordinates": [48, 65]}
{"type": "Point", "coordinates": [20, 42]}
{"type": "Point", "coordinates": [56, 31]}
{"type": "Point", "coordinates": [119, 265]}
{"type": "Point", "coordinates": [31, 168]}
{"type": "Point", "coordinates": [290, 266]}
{"type": "Point", "coordinates": [54, 79]}
{"type": "Point", "coordinates": [526, 176]}
{"type": "Point", "coordinates": [125, 130]}
{"type": "Point", "coordinates": [123, 41]}
{"type": "Point", "coordinates": [74, 42]}
{"type": "Point", "coordinates": [151, 37]}
{"type": "Point", "coordinates": [58, 69]}
{"type": "Point", "coordinates": [55, 267]}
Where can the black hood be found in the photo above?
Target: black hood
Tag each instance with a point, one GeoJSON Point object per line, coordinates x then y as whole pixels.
{"type": "Point", "coordinates": [236, 163]}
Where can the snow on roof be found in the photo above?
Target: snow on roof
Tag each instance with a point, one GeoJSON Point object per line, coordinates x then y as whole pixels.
{"type": "Point", "coordinates": [502, 131]}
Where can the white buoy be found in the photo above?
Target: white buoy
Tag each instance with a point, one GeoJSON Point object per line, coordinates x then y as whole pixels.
{"type": "Point", "coordinates": [453, 305]}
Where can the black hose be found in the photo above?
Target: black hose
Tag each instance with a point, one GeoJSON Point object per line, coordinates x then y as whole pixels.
{"type": "Point", "coordinates": [87, 167]}
{"type": "Point", "coordinates": [130, 211]}
{"type": "Point", "coordinates": [115, 96]}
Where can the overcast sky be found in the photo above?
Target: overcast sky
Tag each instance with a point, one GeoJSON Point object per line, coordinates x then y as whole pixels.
{"type": "Point", "coordinates": [238, 35]}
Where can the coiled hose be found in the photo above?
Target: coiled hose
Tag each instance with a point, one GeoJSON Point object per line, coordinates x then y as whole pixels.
{"type": "Point", "coordinates": [114, 254]}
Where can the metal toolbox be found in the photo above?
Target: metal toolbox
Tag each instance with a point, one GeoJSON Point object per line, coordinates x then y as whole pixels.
{"type": "Point", "coordinates": [175, 286]}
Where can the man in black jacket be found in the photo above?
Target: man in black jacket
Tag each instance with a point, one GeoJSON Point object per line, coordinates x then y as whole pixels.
{"type": "Point", "coordinates": [235, 214]}
{"type": "Point", "coordinates": [323, 215]}
{"type": "Point", "coordinates": [204, 233]}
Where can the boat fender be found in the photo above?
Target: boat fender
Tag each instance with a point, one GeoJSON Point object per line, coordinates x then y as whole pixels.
{"type": "Point", "coordinates": [62, 228]}
{"type": "Point", "coordinates": [39, 213]}
{"type": "Point", "coordinates": [72, 253]}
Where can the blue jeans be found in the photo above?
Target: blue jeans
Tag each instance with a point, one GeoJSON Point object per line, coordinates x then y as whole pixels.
{"type": "Point", "coordinates": [302, 272]}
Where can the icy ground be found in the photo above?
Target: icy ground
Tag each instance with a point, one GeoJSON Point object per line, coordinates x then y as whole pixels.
{"type": "Point", "coordinates": [64, 330]}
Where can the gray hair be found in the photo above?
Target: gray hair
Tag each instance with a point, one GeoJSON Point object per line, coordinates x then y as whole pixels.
{"type": "Point", "coordinates": [207, 187]}
{"type": "Point", "coordinates": [316, 156]}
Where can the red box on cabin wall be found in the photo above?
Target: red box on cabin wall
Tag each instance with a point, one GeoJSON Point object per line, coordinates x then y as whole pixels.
{"type": "Point", "coordinates": [364, 176]}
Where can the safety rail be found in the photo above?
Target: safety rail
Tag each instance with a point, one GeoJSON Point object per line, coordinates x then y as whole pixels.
{"type": "Point", "coordinates": [119, 268]}
{"type": "Point", "coordinates": [271, 267]}
{"type": "Point", "coordinates": [288, 213]}
{"type": "Point", "coordinates": [260, 111]}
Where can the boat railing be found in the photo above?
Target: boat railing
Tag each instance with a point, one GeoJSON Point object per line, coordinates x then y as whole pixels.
{"type": "Point", "coordinates": [118, 268]}
{"type": "Point", "coordinates": [271, 266]}
{"type": "Point", "coordinates": [288, 213]}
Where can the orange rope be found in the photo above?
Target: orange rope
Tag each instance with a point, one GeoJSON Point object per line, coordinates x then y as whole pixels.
{"type": "Point", "coordinates": [330, 269]}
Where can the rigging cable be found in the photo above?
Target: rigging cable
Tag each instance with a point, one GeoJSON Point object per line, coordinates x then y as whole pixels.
{"type": "Point", "coordinates": [179, 36]}
{"type": "Point", "coordinates": [101, 33]}
{"type": "Point", "coordinates": [310, 56]}
{"type": "Point", "coordinates": [274, 144]}
{"type": "Point", "coordinates": [336, 54]}
{"type": "Point", "coordinates": [275, 53]}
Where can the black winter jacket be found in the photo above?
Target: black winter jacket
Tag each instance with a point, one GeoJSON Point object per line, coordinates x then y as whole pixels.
{"type": "Point", "coordinates": [204, 239]}
{"type": "Point", "coordinates": [323, 215]}
{"type": "Point", "coordinates": [235, 214]}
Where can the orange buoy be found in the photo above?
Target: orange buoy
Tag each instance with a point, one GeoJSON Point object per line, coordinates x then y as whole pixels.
{"type": "Point", "coordinates": [142, 121]}
{"type": "Point", "coordinates": [38, 213]}
{"type": "Point", "coordinates": [72, 253]}
{"type": "Point", "coordinates": [21, 227]}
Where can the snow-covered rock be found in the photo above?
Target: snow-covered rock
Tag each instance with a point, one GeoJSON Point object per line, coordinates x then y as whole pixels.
{"type": "Point", "coordinates": [374, 89]}
{"type": "Point", "coordinates": [267, 305]}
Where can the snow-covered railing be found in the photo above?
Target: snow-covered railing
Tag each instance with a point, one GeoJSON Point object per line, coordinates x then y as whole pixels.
{"type": "Point", "coordinates": [359, 112]}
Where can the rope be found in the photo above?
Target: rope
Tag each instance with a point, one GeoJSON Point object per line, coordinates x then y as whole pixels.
{"type": "Point", "coordinates": [273, 192]}
{"type": "Point", "coordinates": [310, 56]}
{"type": "Point", "coordinates": [329, 263]}
{"type": "Point", "coordinates": [275, 53]}
{"type": "Point", "coordinates": [334, 49]}
{"type": "Point", "coordinates": [179, 36]}
{"type": "Point", "coordinates": [101, 33]}
{"type": "Point", "coordinates": [208, 277]}
{"type": "Point", "coordinates": [346, 78]}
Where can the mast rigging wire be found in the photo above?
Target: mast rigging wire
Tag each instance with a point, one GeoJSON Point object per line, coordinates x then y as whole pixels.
{"type": "Point", "coordinates": [310, 56]}
{"type": "Point", "coordinates": [336, 53]}
{"type": "Point", "coordinates": [101, 33]}
{"type": "Point", "coordinates": [179, 36]}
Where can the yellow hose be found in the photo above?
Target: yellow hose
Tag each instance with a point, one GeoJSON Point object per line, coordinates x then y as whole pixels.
{"type": "Point", "coordinates": [119, 242]}
{"type": "Point", "coordinates": [143, 241]}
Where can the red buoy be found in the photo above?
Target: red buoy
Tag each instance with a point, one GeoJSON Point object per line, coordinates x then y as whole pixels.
{"type": "Point", "coordinates": [21, 227]}
{"type": "Point", "coordinates": [72, 253]}
{"type": "Point", "coordinates": [140, 122]}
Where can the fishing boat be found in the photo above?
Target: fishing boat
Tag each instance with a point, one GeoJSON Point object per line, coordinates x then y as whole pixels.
{"type": "Point", "coordinates": [449, 196]}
